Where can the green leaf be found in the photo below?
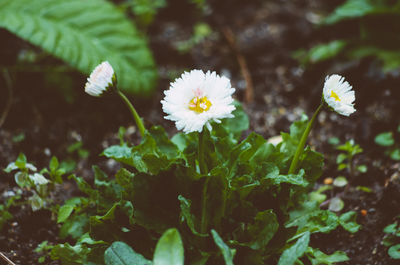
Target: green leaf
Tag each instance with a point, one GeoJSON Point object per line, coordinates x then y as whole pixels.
{"type": "Point", "coordinates": [395, 154]}
{"type": "Point", "coordinates": [262, 230]}
{"type": "Point", "coordinates": [215, 190]}
{"type": "Point", "coordinates": [356, 8]}
{"type": "Point", "coordinates": [64, 212]}
{"type": "Point", "coordinates": [227, 252]}
{"type": "Point", "coordinates": [390, 229]}
{"type": "Point", "coordinates": [394, 251]}
{"type": "Point", "coordinates": [187, 216]}
{"type": "Point", "coordinates": [169, 249]}
{"type": "Point", "coordinates": [313, 220]}
{"type": "Point", "coordinates": [120, 253]}
{"type": "Point", "coordinates": [336, 204]}
{"type": "Point", "coordinates": [318, 257]}
{"type": "Point", "coordinates": [239, 123]}
{"type": "Point", "coordinates": [340, 181]}
{"type": "Point", "coordinates": [75, 226]}
{"type": "Point", "coordinates": [384, 139]}
{"type": "Point", "coordinates": [326, 51]}
{"type": "Point", "coordinates": [53, 164]}
{"type": "Point", "coordinates": [290, 255]}
{"type": "Point", "coordinates": [83, 34]}
{"type": "Point", "coordinates": [340, 158]}
{"type": "Point", "coordinates": [70, 255]}
{"type": "Point", "coordinates": [348, 222]}
{"type": "Point", "coordinates": [362, 168]}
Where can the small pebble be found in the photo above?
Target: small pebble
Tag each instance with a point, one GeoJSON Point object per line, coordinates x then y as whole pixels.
{"type": "Point", "coordinates": [364, 212]}
{"type": "Point", "coordinates": [328, 181]}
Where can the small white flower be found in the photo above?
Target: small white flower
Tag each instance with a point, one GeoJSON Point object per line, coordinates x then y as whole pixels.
{"type": "Point", "coordinates": [101, 80]}
{"type": "Point", "coordinates": [338, 94]}
{"type": "Point", "coordinates": [197, 98]}
{"type": "Point", "coordinates": [38, 179]}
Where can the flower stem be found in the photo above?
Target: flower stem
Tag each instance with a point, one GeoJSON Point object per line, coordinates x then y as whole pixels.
{"type": "Point", "coordinates": [202, 164]}
{"type": "Point", "coordinates": [203, 225]}
{"type": "Point", "coordinates": [300, 147]}
{"type": "Point", "coordinates": [135, 115]}
{"type": "Point", "coordinates": [203, 170]}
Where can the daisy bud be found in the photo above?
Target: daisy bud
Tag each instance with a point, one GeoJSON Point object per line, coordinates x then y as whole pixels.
{"type": "Point", "coordinates": [196, 99]}
{"type": "Point", "coordinates": [101, 80]}
{"type": "Point", "coordinates": [338, 94]}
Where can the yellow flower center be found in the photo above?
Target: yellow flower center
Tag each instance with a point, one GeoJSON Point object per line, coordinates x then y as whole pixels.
{"type": "Point", "coordinates": [199, 105]}
{"type": "Point", "coordinates": [335, 96]}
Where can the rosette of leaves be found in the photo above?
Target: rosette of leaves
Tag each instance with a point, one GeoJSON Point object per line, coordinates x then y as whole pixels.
{"type": "Point", "coordinates": [246, 210]}
{"type": "Point", "coordinates": [83, 34]}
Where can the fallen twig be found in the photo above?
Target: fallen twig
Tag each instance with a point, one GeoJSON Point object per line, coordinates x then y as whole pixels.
{"type": "Point", "coordinates": [4, 257]}
{"type": "Point", "coordinates": [249, 94]}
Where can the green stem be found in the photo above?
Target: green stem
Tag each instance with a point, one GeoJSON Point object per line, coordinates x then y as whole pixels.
{"type": "Point", "coordinates": [300, 147]}
{"type": "Point", "coordinates": [135, 115]}
{"type": "Point", "coordinates": [203, 170]}
{"type": "Point", "coordinates": [202, 164]}
{"type": "Point", "coordinates": [203, 225]}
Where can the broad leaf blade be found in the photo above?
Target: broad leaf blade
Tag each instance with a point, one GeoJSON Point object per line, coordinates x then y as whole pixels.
{"type": "Point", "coordinates": [83, 34]}
{"type": "Point", "coordinates": [169, 249]}
{"type": "Point", "coordinates": [291, 254]}
{"type": "Point", "coordinates": [120, 253]}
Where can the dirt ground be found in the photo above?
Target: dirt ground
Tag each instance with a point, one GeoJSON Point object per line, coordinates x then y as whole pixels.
{"type": "Point", "coordinates": [264, 34]}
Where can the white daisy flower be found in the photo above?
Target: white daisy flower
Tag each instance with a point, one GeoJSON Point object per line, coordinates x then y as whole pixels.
{"type": "Point", "coordinates": [197, 98]}
{"type": "Point", "coordinates": [101, 80]}
{"type": "Point", "coordinates": [338, 94]}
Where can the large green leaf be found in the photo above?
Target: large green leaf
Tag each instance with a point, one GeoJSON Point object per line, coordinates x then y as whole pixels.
{"type": "Point", "coordinates": [120, 253]}
{"type": "Point", "coordinates": [169, 249]}
{"type": "Point", "coordinates": [290, 255]}
{"type": "Point", "coordinates": [83, 34]}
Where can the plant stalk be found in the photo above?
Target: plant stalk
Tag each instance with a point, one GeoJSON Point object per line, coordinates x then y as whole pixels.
{"type": "Point", "coordinates": [203, 170]}
{"type": "Point", "coordinates": [135, 115]}
{"type": "Point", "coordinates": [303, 140]}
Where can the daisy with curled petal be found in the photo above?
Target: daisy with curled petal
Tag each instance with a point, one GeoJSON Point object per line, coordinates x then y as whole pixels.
{"type": "Point", "coordinates": [338, 94]}
{"type": "Point", "coordinates": [101, 80]}
{"type": "Point", "coordinates": [196, 99]}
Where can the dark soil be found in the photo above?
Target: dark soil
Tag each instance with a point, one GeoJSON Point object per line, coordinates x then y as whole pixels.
{"type": "Point", "coordinates": [266, 33]}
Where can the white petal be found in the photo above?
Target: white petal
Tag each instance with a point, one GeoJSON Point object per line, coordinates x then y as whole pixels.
{"type": "Point", "coordinates": [193, 84]}
{"type": "Point", "coordinates": [336, 84]}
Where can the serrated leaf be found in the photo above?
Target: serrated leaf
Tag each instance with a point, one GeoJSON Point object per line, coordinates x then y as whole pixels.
{"type": "Point", "coordinates": [227, 252]}
{"type": "Point", "coordinates": [120, 253]}
{"type": "Point", "coordinates": [290, 255]}
{"type": "Point", "coordinates": [169, 249]}
{"type": "Point", "coordinates": [64, 212]}
{"type": "Point", "coordinates": [83, 34]}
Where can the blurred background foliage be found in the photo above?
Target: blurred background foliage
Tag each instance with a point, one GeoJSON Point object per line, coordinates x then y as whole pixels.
{"type": "Point", "coordinates": [358, 29]}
